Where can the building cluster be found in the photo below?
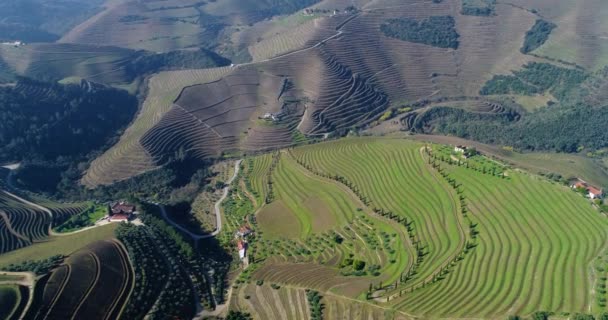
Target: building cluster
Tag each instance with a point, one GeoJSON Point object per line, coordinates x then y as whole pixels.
{"type": "Point", "coordinates": [121, 211]}
{"type": "Point", "coordinates": [592, 192]}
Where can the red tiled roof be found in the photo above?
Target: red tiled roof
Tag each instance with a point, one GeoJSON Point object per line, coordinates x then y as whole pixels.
{"type": "Point", "coordinates": [594, 191]}
{"type": "Point", "coordinates": [241, 245]}
{"type": "Point", "coordinates": [119, 216]}
{"type": "Point", "coordinates": [580, 185]}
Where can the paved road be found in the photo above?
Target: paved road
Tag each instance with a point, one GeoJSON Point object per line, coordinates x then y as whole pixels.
{"type": "Point", "coordinates": [218, 211]}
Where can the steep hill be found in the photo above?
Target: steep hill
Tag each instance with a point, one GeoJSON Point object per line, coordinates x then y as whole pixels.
{"type": "Point", "coordinates": [344, 78]}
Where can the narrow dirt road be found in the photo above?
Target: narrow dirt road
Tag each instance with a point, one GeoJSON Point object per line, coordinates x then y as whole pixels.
{"type": "Point", "coordinates": [218, 211]}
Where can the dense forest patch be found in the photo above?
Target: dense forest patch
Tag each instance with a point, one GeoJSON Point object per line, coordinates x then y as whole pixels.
{"type": "Point", "coordinates": [577, 122]}
{"type": "Point", "coordinates": [560, 128]}
{"type": "Point", "coordinates": [537, 36]}
{"type": "Point", "coordinates": [280, 7]}
{"type": "Point", "coordinates": [52, 129]}
{"type": "Point", "coordinates": [536, 78]}
{"type": "Point", "coordinates": [437, 31]}
{"type": "Point", "coordinates": [478, 7]}
{"type": "Point", "coordinates": [175, 60]}
{"type": "Point", "coordinates": [45, 121]}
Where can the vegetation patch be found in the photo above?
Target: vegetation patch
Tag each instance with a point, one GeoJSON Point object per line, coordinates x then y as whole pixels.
{"type": "Point", "coordinates": [86, 219]}
{"type": "Point", "coordinates": [537, 36]}
{"type": "Point", "coordinates": [38, 267]}
{"type": "Point", "coordinates": [478, 7]}
{"type": "Point", "coordinates": [535, 78]}
{"type": "Point", "coordinates": [437, 31]}
{"type": "Point", "coordinates": [316, 306]}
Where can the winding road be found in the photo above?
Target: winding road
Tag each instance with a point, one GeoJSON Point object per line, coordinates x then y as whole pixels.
{"type": "Point", "coordinates": [218, 213]}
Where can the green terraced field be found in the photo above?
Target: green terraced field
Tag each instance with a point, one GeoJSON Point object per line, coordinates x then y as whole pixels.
{"type": "Point", "coordinates": [492, 246]}
{"type": "Point", "coordinates": [394, 177]}
{"type": "Point", "coordinates": [313, 219]}
{"type": "Point", "coordinates": [317, 206]}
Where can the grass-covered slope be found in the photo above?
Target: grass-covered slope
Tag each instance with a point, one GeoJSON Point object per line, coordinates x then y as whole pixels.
{"type": "Point", "coordinates": [314, 221]}
{"type": "Point", "coordinates": [521, 243]}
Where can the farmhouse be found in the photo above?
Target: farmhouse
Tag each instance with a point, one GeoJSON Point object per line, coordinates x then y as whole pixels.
{"type": "Point", "coordinates": [121, 211]}
{"type": "Point", "coordinates": [592, 192]}
{"type": "Point", "coordinates": [242, 247]}
{"type": "Point", "coordinates": [270, 116]}
{"type": "Point", "coordinates": [461, 149]}
{"type": "Point", "coordinates": [595, 193]}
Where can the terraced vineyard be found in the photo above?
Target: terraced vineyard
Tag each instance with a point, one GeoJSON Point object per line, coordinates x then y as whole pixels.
{"type": "Point", "coordinates": [501, 241]}
{"type": "Point", "coordinates": [326, 75]}
{"type": "Point", "coordinates": [22, 224]}
{"type": "Point", "coordinates": [93, 283]}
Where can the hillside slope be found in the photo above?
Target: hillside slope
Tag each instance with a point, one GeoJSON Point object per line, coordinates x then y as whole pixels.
{"type": "Point", "coordinates": [504, 241]}
{"type": "Point", "coordinates": [343, 79]}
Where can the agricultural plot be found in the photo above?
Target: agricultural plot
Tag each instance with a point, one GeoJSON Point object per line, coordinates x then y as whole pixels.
{"type": "Point", "coordinates": [128, 157]}
{"type": "Point", "coordinates": [352, 74]}
{"type": "Point", "coordinates": [58, 245]}
{"type": "Point", "coordinates": [155, 26]}
{"type": "Point", "coordinates": [319, 227]}
{"type": "Point", "coordinates": [264, 302]}
{"type": "Point", "coordinates": [22, 224]}
{"type": "Point", "coordinates": [398, 181]}
{"type": "Point", "coordinates": [513, 264]}
{"type": "Point", "coordinates": [578, 37]}
{"type": "Point", "coordinates": [59, 61]}
{"type": "Point", "coordinates": [93, 282]}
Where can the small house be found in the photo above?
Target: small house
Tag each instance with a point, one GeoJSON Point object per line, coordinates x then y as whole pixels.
{"type": "Point", "coordinates": [595, 193]}
{"type": "Point", "coordinates": [461, 149]}
{"type": "Point", "coordinates": [242, 247]}
{"type": "Point", "coordinates": [270, 116]}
